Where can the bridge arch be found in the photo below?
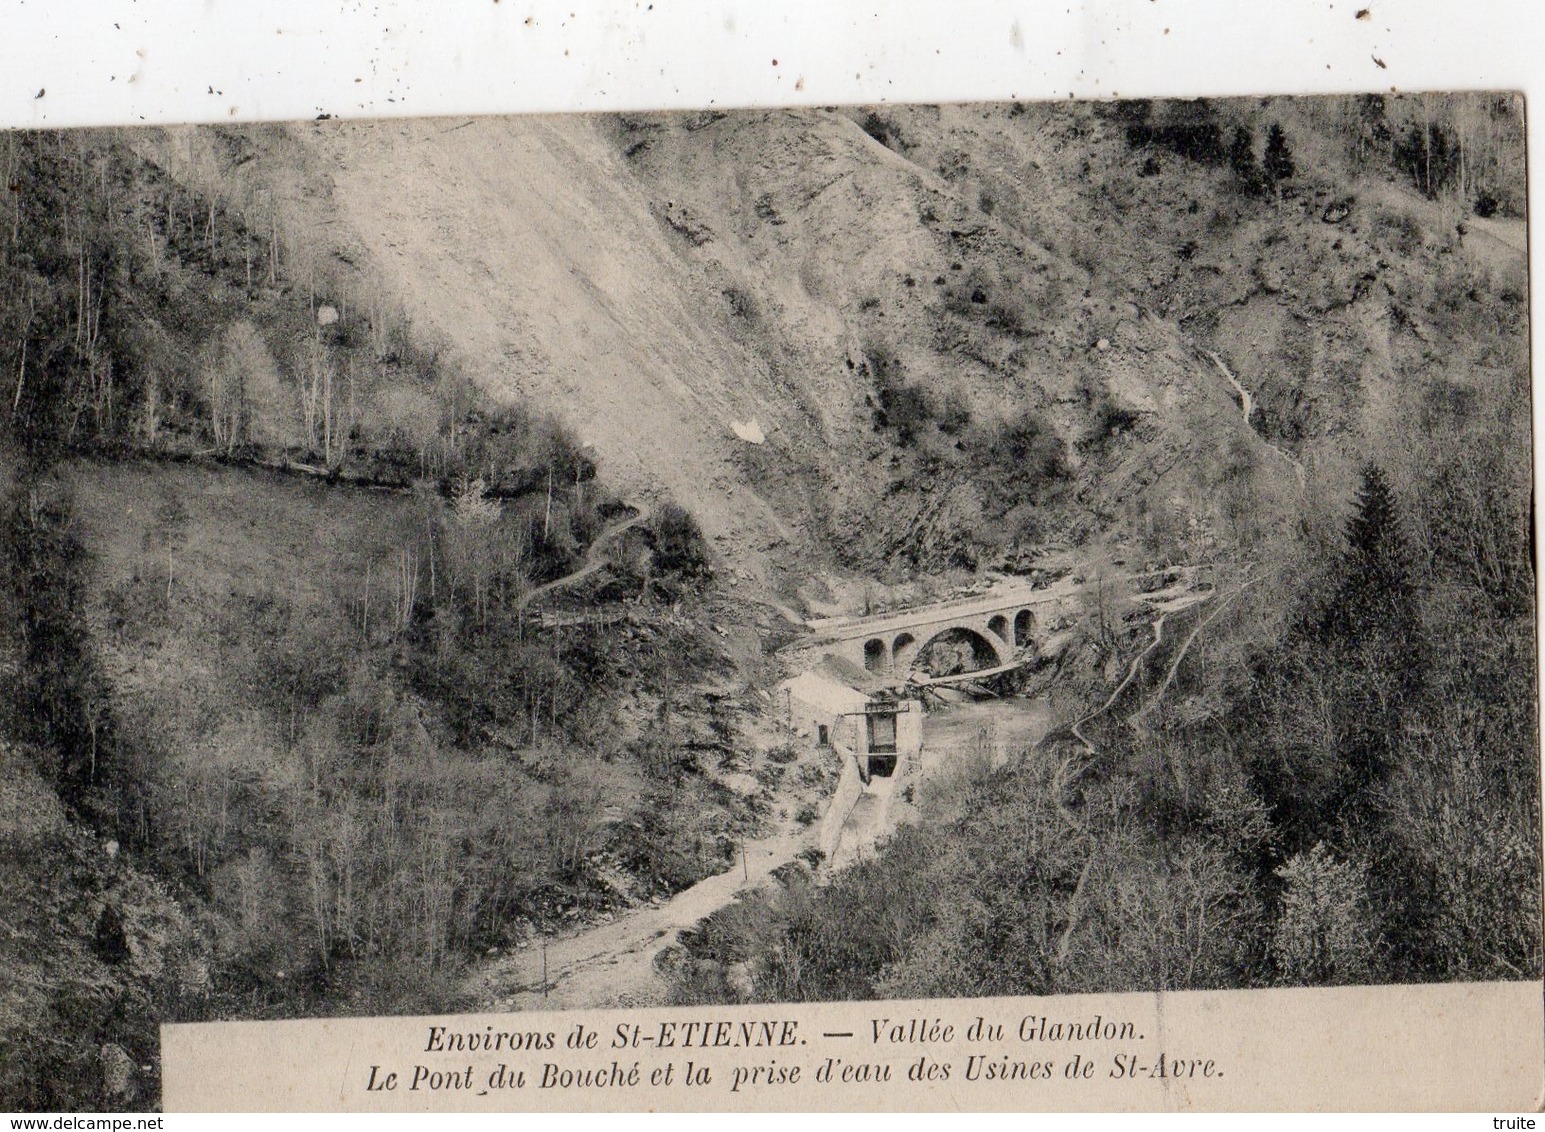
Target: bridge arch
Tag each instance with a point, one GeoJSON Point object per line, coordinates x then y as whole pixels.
{"type": "Point", "coordinates": [960, 648]}
{"type": "Point", "coordinates": [999, 626]}
{"type": "Point", "coordinates": [1024, 627]}
{"type": "Point", "coordinates": [876, 655]}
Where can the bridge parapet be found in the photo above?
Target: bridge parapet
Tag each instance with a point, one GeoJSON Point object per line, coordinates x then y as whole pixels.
{"type": "Point", "coordinates": [998, 623]}
{"type": "Point", "coordinates": [890, 645]}
{"type": "Point", "coordinates": [1006, 600]}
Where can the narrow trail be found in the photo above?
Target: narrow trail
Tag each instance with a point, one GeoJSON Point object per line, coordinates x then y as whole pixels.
{"type": "Point", "coordinates": [1137, 663]}
{"type": "Point", "coordinates": [1247, 406]}
{"type": "Point", "coordinates": [594, 558]}
{"type": "Point", "coordinates": [1074, 823]}
{"type": "Point", "coordinates": [1510, 235]}
{"type": "Point", "coordinates": [612, 964]}
{"type": "Point", "coordinates": [861, 829]}
{"type": "Point", "coordinates": [1180, 653]}
{"type": "Point", "coordinates": [1076, 728]}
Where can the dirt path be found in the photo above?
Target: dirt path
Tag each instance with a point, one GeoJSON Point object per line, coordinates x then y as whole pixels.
{"type": "Point", "coordinates": [1171, 606]}
{"type": "Point", "coordinates": [867, 823]}
{"type": "Point", "coordinates": [1136, 667]}
{"type": "Point", "coordinates": [1495, 241]}
{"type": "Point", "coordinates": [594, 558]}
{"type": "Point", "coordinates": [612, 964]}
{"type": "Point", "coordinates": [1247, 405]}
{"type": "Point", "coordinates": [1180, 653]}
{"type": "Point", "coordinates": [1511, 235]}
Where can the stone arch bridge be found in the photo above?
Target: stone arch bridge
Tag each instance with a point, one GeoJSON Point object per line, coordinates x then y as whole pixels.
{"type": "Point", "coordinates": [997, 625]}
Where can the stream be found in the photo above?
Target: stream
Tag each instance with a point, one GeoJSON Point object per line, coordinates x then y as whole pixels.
{"type": "Point", "coordinates": [998, 727]}
{"type": "Point", "coordinates": [612, 963]}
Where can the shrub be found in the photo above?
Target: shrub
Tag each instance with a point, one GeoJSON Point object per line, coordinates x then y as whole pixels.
{"type": "Point", "coordinates": [1030, 454]}
{"type": "Point", "coordinates": [904, 408]}
{"type": "Point", "coordinates": [882, 130]}
{"type": "Point", "coordinates": [1189, 128]}
{"type": "Point", "coordinates": [899, 405]}
{"type": "Point", "coordinates": [1399, 231]}
{"type": "Point", "coordinates": [742, 305]}
{"type": "Point", "coordinates": [1109, 421]}
{"type": "Point", "coordinates": [784, 753]}
{"type": "Point", "coordinates": [1322, 936]}
{"type": "Point", "coordinates": [679, 546]}
{"type": "Point", "coordinates": [955, 415]}
{"type": "Point", "coordinates": [811, 856]}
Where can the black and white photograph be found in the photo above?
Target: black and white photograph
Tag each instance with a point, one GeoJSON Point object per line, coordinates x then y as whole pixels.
{"type": "Point", "coordinates": [741, 556]}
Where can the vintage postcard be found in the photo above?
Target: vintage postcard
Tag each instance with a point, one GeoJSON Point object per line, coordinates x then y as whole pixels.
{"type": "Point", "coordinates": [1012, 605]}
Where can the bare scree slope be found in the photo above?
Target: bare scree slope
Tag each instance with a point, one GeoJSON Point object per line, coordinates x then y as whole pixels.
{"type": "Point", "coordinates": [660, 281]}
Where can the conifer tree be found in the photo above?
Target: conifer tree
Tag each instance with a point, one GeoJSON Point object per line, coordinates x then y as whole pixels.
{"type": "Point", "coordinates": [1277, 162]}
{"type": "Point", "coordinates": [1376, 597]}
{"type": "Point", "coordinates": [1371, 635]}
{"type": "Point", "coordinates": [1241, 159]}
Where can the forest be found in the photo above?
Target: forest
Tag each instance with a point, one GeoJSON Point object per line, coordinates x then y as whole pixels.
{"type": "Point", "coordinates": [1329, 772]}
{"type": "Point", "coordinates": [267, 658]}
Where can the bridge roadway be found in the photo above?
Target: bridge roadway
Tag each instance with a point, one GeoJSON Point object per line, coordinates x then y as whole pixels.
{"type": "Point", "coordinates": [1015, 595]}
{"type": "Point", "coordinates": [998, 623]}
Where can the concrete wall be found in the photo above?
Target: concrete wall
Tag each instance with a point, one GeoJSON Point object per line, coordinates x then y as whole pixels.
{"type": "Point", "coordinates": [849, 786]}
{"type": "Point", "coordinates": [909, 729]}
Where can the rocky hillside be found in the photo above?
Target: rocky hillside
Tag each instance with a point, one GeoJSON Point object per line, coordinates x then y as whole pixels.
{"type": "Point", "coordinates": [726, 306]}
{"type": "Point", "coordinates": [811, 325]}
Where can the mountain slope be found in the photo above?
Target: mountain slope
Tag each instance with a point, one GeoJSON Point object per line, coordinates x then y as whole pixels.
{"type": "Point", "coordinates": [822, 330]}
{"type": "Point", "coordinates": [658, 280]}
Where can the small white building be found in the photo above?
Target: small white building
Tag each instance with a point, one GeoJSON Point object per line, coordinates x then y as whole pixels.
{"type": "Point", "coordinates": [838, 704]}
{"type": "Point", "coordinates": [823, 708]}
